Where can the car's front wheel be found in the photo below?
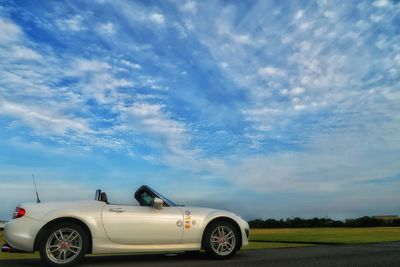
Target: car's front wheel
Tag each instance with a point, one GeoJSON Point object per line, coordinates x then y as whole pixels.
{"type": "Point", "coordinates": [63, 245]}
{"type": "Point", "coordinates": [220, 240]}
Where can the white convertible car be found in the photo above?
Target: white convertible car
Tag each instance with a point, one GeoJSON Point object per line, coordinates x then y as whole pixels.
{"type": "Point", "coordinates": [64, 232]}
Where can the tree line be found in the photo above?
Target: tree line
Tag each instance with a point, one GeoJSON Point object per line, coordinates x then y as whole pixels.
{"type": "Point", "coordinates": [297, 222]}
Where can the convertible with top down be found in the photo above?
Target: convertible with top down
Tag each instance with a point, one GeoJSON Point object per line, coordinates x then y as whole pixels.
{"type": "Point", "coordinates": [63, 232]}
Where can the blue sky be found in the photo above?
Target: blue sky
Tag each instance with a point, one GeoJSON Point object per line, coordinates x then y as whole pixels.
{"type": "Point", "coordinates": [267, 108]}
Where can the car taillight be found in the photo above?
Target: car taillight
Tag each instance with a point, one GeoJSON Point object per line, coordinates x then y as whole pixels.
{"type": "Point", "coordinates": [18, 213]}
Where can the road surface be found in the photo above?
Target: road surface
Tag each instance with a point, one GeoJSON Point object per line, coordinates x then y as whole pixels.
{"type": "Point", "coordinates": [384, 254]}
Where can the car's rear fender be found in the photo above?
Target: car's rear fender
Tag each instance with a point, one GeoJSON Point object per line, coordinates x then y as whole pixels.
{"type": "Point", "coordinates": [56, 221]}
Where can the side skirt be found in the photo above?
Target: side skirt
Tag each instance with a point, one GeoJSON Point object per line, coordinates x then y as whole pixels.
{"type": "Point", "coordinates": [105, 246]}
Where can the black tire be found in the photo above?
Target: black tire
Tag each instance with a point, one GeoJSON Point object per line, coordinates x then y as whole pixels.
{"type": "Point", "coordinates": [58, 245]}
{"type": "Point", "coordinates": [212, 246]}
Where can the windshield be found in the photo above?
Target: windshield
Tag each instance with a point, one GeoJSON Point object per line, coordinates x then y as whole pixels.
{"type": "Point", "coordinates": [170, 203]}
{"type": "Point", "coordinates": [145, 196]}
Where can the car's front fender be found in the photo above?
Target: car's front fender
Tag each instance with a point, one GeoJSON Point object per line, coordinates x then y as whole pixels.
{"type": "Point", "coordinates": [197, 219]}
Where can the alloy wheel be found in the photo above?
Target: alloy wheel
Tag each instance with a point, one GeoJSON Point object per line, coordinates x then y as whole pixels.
{"type": "Point", "coordinates": [223, 240]}
{"type": "Point", "coordinates": [64, 245]}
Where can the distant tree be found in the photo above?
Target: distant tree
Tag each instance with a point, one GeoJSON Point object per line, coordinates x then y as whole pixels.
{"type": "Point", "coordinates": [257, 223]}
{"type": "Point", "coordinates": [298, 222]}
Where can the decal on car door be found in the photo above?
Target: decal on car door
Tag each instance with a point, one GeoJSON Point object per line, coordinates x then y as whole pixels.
{"type": "Point", "coordinates": [187, 219]}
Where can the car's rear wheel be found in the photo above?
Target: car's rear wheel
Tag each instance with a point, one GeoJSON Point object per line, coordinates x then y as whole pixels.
{"type": "Point", "coordinates": [63, 244]}
{"type": "Point", "coordinates": [220, 240]}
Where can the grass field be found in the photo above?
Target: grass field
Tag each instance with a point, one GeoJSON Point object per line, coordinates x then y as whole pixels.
{"type": "Point", "coordinates": [283, 238]}
{"type": "Point", "coordinates": [327, 235]}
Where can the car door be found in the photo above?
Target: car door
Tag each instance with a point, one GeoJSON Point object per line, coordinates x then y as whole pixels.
{"type": "Point", "coordinates": [143, 225]}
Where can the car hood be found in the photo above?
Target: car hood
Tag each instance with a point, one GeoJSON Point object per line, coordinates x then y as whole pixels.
{"type": "Point", "coordinates": [204, 211]}
{"type": "Point", "coordinates": [208, 213]}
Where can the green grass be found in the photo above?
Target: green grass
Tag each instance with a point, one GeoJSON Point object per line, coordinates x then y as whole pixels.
{"type": "Point", "coordinates": [327, 235]}
{"type": "Point", "coordinates": [289, 237]}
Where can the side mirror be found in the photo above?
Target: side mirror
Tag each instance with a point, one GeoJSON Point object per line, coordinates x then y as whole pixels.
{"type": "Point", "coordinates": [158, 203]}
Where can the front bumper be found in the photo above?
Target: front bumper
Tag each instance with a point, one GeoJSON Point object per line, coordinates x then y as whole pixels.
{"type": "Point", "coordinates": [245, 229]}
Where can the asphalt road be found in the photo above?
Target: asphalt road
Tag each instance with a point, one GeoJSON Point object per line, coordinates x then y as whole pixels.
{"type": "Point", "coordinates": [385, 254]}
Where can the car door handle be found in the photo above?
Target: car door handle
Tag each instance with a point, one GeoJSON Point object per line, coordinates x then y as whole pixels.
{"type": "Point", "coordinates": [118, 210]}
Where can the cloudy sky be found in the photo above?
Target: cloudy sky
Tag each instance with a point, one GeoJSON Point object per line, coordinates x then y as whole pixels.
{"type": "Point", "coordinates": [270, 109]}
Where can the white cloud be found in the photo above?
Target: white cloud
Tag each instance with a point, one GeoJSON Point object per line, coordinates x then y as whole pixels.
{"type": "Point", "coordinates": [381, 3]}
{"type": "Point", "coordinates": [74, 23]}
{"type": "Point", "coordinates": [189, 6]}
{"type": "Point", "coordinates": [342, 159]}
{"type": "Point", "coordinates": [97, 80]}
{"type": "Point", "coordinates": [224, 64]}
{"type": "Point", "coordinates": [299, 14]}
{"type": "Point", "coordinates": [376, 18]}
{"type": "Point", "coordinates": [381, 43]}
{"type": "Point", "coordinates": [10, 32]}
{"type": "Point", "coordinates": [44, 120]}
{"type": "Point", "coordinates": [329, 14]}
{"type": "Point", "coordinates": [153, 119]}
{"type": "Point", "coordinates": [318, 67]}
{"type": "Point", "coordinates": [181, 30]}
{"type": "Point", "coordinates": [34, 99]}
{"type": "Point", "coordinates": [87, 65]}
{"type": "Point", "coordinates": [242, 38]}
{"type": "Point", "coordinates": [269, 71]}
{"type": "Point", "coordinates": [305, 26]}
{"type": "Point", "coordinates": [135, 13]}
{"type": "Point", "coordinates": [397, 59]}
{"type": "Point", "coordinates": [157, 18]}
{"type": "Point", "coordinates": [300, 90]}
{"type": "Point", "coordinates": [20, 52]}
{"type": "Point", "coordinates": [297, 91]}
{"type": "Point", "coordinates": [130, 64]}
{"type": "Point", "coordinates": [295, 100]}
{"type": "Point", "coordinates": [262, 112]}
{"type": "Point", "coordinates": [106, 28]}
{"type": "Point", "coordinates": [299, 107]}
{"type": "Point", "coordinates": [225, 30]}
{"type": "Point", "coordinates": [263, 117]}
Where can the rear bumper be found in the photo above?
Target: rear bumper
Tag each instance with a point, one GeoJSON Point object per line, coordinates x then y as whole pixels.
{"type": "Point", "coordinates": [8, 249]}
{"type": "Point", "coordinates": [19, 234]}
